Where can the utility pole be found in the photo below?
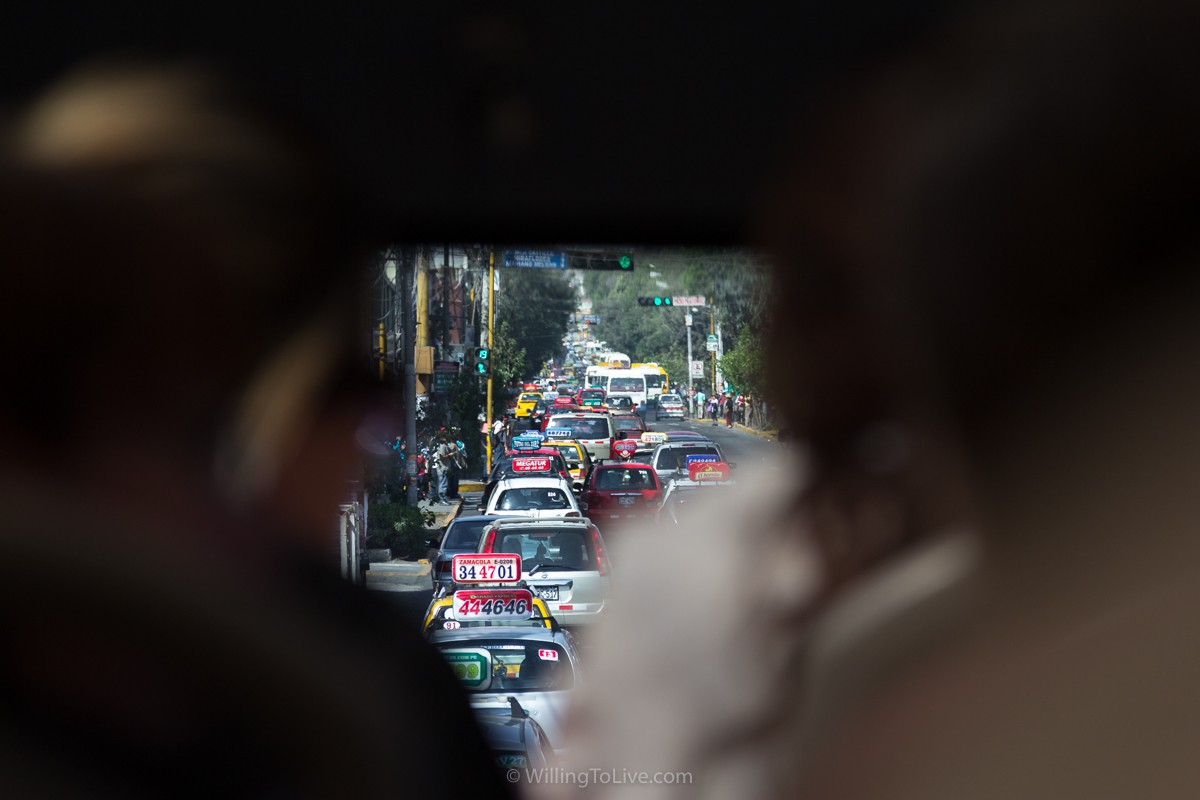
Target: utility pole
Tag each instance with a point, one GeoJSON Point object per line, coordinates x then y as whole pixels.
{"type": "Point", "coordinates": [712, 328]}
{"type": "Point", "coordinates": [408, 266]}
{"type": "Point", "coordinates": [445, 300]}
{"type": "Point", "coordinates": [491, 319]}
{"type": "Point", "coordinates": [687, 326]}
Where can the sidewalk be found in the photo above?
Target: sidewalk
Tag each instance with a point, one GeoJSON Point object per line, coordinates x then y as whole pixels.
{"type": "Point", "coordinates": [769, 435]}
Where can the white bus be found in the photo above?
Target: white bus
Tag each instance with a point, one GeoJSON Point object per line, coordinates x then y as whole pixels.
{"type": "Point", "coordinates": [627, 381]}
{"type": "Point", "coordinates": [595, 377]}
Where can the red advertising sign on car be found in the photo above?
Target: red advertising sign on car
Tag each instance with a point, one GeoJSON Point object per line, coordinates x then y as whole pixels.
{"type": "Point", "coordinates": [531, 464]}
{"type": "Point", "coordinates": [493, 604]}
{"type": "Point", "coordinates": [625, 448]}
{"type": "Point", "coordinates": [564, 400]}
{"type": "Point", "coordinates": [708, 471]}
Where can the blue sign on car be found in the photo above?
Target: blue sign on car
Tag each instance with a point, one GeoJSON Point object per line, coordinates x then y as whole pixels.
{"type": "Point", "coordinates": [699, 458]}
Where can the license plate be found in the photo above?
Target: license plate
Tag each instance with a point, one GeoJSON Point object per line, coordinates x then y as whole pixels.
{"type": "Point", "coordinates": [626, 501]}
{"type": "Point", "coordinates": [547, 592]}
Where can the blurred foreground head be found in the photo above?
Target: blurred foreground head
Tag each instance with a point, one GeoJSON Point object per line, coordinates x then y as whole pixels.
{"type": "Point", "coordinates": [181, 276]}
{"type": "Point", "coordinates": [989, 276]}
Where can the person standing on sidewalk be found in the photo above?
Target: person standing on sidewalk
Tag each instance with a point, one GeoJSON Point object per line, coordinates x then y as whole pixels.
{"type": "Point", "coordinates": [729, 410]}
{"type": "Point", "coordinates": [445, 461]}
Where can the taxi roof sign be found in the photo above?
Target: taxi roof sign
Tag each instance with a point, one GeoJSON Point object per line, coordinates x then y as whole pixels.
{"type": "Point", "coordinates": [653, 437]}
{"type": "Point", "coordinates": [625, 448]}
{"type": "Point", "coordinates": [525, 443]}
{"type": "Point", "coordinates": [698, 458]}
{"type": "Point", "coordinates": [486, 567]}
{"type": "Point", "coordinates": [531, 464]}
{"type": "Point", "coordinates": [706, 471]}
{"type": "Point", "coordinates": [493, 604]}
{"type": "Point", "coordinates": [559, 433]}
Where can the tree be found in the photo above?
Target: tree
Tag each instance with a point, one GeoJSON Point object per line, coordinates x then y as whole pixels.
{"type": "Point", "coordinates": [536, 305]}
{"type": "Point", "coordinates": [745, 368]}
{"type": "Point", "coordinates": [508, 365]}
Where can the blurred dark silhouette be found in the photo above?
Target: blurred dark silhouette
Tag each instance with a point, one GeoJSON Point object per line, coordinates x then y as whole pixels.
{"type": "Point", "coordinates": [179, 411]}
{"type": "Point", "coordinates": [988, 267]}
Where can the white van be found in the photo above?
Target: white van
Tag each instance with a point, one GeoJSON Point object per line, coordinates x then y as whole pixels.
{"type": "Point", "coordinates": [627, 381]}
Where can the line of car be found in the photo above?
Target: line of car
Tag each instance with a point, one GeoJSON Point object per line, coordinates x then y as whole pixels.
{"type": "Point", "coordinates": [512, 642]}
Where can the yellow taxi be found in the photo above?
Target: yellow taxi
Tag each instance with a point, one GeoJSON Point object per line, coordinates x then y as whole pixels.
{"type": "Point", "coordinates": [526, 402]}
{"type": "Point", "coordinates": [436, 618]}
{"type": "Point", "coordinates": [579, 461]}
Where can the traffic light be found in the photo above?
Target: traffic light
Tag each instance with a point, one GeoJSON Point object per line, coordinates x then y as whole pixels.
{"type": "Point", "coordinates": [616, 263]}
{"type": "Point", "coordinates": [660, 302]}
{"type": "Point", "coordinates": [483, 361]}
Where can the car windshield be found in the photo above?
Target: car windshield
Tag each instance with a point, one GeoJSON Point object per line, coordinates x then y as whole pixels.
{"type": "Point", "coordinates": [632, 478]}
{"type": "Point", "coordinates": [627, 385]}
{"type": "Point", "coordinates": [464, 533]}
{"type": "Point", "coordinates": [515, 665]}
{"type": "Point", "coordinates": [654, 380]}
{"type": "Point", "coordinates": [549, 548]}
{"type": "Point", "coordinates": [532, 498]}
{"type": "Point", "coordinates": [584, 428]}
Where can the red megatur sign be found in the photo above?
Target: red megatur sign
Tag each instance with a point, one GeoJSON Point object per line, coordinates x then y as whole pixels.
{"type": "Point", "coordinates": [531, 464]}
{"type": "Point", "coordinates": [563, 400]}
{"type": "Point", "coordinates": [709, 471]}
{"type": "Point", "coordinates": [625, 448]}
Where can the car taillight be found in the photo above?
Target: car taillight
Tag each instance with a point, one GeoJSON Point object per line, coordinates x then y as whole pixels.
{"type": "Point", "coordinates": [489, 541]}
{"type": "Point", "coordinates": [598, 546]}
{"type": "Point", "coordinates": [444, 566]}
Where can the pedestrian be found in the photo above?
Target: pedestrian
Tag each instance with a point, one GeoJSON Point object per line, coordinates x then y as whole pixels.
{"type": "Point", "coordinates": [729, 410]}
{"type": "Point", "coordinates": [714, 403]}
{"type": "Point", "coordinates": [445, 462]}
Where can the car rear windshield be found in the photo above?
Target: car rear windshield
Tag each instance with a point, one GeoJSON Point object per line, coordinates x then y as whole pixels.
{"type": "Point", "coordinates": [584, 428]}
{"type": "Point", "coordinates": [516, 665]}
{"type": "Point", "coordinates": [592, 394]}
{"type": "Point", "coordinates": [465, 534]}
{"type": "Point", "coordinates": [631, 478]}
{"type": "Point", "coordinates": [676, 457]}
{"type": "Point", "coordinates": [627, 385]}
{"type": "Point", "coordinates": [669, 398]}
{"type": "Point", "coordinates": [533, 498]}
{"type": "Point", "coordinates": [653, 380]}
{"type": "Point", "coordinates": [551, 549]}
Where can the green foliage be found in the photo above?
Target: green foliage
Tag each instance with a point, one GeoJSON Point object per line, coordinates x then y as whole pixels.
{"type": "Point", "coordinates": [536, 305]}
{"type": "Point", "coordinates": [745, 365]}
{"type": "Point", "coordinates": [734, 281]}
{"type": "Point", "coordinates": [466, 399]}
{"type": "Point", "coordinates": [508, 364]}
{"type": "Point", "coordinates": [399, 527]}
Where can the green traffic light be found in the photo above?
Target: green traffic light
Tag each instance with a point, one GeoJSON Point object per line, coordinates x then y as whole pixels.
{"type": "Point", "coordinates": [625, 262]}
{"type": "Point", "coordinates": [483, 353]}
{"type": "Point", "coordinates": [658, 301]}
{"type": "Point", "coordinates": [481, 369]}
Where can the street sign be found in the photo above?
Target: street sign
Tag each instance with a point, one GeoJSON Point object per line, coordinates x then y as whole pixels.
{"type": "Point", "coordinates": [535, 259]}
{"type": "Point", "coordinates": [697, 369]}
{"type": "Point", "coordinates": [687, 301]}
{"type": "Point", "coordinates": [711, 343]}
{"type": "Point", "coordinates": [591, 319]}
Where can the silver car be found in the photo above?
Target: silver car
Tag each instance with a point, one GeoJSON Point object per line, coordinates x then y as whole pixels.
{"type": "Point", "coordinates": [537, 666]}
{"type": "Point", "coordinates": [563, 561]}
{"type": "Point", "coordinates": [670, 458]}
{"type": "Point", "coordinates": [670, 405]}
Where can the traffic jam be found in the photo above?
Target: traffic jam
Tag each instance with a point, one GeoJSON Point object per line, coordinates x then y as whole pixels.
{"type": "Point", "coordinates": [519, 579]}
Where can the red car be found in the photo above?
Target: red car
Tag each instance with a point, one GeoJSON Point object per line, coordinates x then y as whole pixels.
{"type": "Point", "coordinates": [629, 426]}
{"type": "Point", "coordinates": [622, 492]}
